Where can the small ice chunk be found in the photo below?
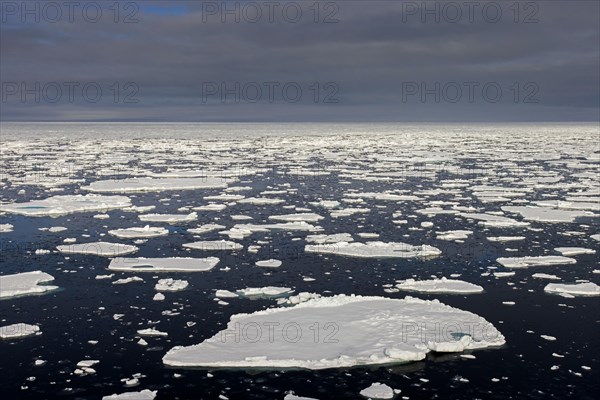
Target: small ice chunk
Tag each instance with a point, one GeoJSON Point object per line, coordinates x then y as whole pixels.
{"type": "Point", "coordinates": [20, 330]}
{"type": "Point", "coordinates": [378, 391]}
{"type": "Point", "coordinates": [170, 285]}
{"type": "Point", "coordinates": [271, 263]}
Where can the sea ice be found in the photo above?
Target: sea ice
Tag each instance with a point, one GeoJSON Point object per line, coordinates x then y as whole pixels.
{"type": "Point", "coordinates": [103, 249]}
{"type": "Point", "coordinates": [354, 330]}
{"type": "Point", "coordinates": [545, 214]}
{"type": "Point", "coordinates": [173, 264]}
{"type": "Point", "coordinates": [214, 245]}
{"type": "Point", "coordinates": [154, 184]}
{"type": "Point", "coordinates": [573, 251]}
{"type": "Point", "coordinates": [20, 330]}
{"type": "Point", "coordinates": [25, 283]}
{"type": "Point", "coordinates": [307, 217]}
{"type": "Point", "coordinates": [170, 285]}
{"type": "Point", "coordinates": [378, 391]}
{"type": "Point", "coordinates": [145, 232]}
{"type": "Point", "coordinates": [575, 289]}
{"type": "Point", "coordinates": [539, 261]}
{"type": "Point", "coordinates": [5, 228]}
{"type": "Point", "coordinates": [62, 205]}
{"type": "Point", "coordinates": [142, 395]}
{"type": "Point", "coordinates": [442, 285]}
{"type": "Point", "coordinates": [271, 263]}
{"type": "Point", "coordinates": [168, 218]}
{"type": "Point", "coordinates": [374, 250]}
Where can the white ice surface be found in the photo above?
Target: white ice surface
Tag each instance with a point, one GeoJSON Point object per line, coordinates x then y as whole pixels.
{"type": "Point", "coordinates": [575, 289]}
{"type": "Point", "coordinates": [20, 330]}
{"type": "Point", "coordinates": [170, 285]}
{"type": "Point", "coordinates": [168, 218]}
{"type": "Point", "coordinates": [378, 391]}
{"type": "Point", "coordinates": [145, 232]}
{"type": "Point", "coordinates": [374, 250]}
{"type": "Point", "coordinates": [68, 204]}
{"type": "Point", "coordinates": [214, 245]}
{"type": "Point", "coordinates": [442, 285]}
{"type": "Point", "coordinates": [271, 263]}
{"type": "Point", "coordinates": [25, 283]}
{"type": "Point", "coordinates": [141, 395]}
{"type": "Point", "coordinates": [131, 185]}
{"type": "Point", "coordinates": [103, 249]}
{"type": "Point", "coordinates": [539, 261]}
{"type": "Point", "coordinates": [171, 264]}
{"type": "Point", "coordinates": [573, 251]}
{"type": "Point", "coordinates": [355, 330]}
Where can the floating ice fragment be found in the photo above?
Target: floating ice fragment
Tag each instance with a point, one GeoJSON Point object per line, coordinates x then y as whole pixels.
{"type": "Point", "coordinates": [103, 249]}
{"type": "Point", "coordinates": [173, 264]}
{"type": "Point", "coordinates": [576, 289]}
{"type": "Point", "coordinates": [25, 283]}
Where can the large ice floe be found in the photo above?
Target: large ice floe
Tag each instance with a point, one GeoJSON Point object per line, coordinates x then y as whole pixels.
{"type": "Point", "coordinates": [141, 395]}
{"type": "Point", "coordinates": [103, 249]}
{"type": "Point", "coordinates": [169, 218]}
{"type": "Point", "coordinates": [25, 283]}
{"type": "Point", "coordinates": [353, 331]}
{"type": "Point", "coordinates": [539, 261]}
{"type": "Point", "coordinates": [214, 245]}
{"type": "Point", "coordinates": [545, 214]}
{"type": "Point", "coordinates": [62, 205]}
{"type": "Point", "coordinates": [131, 185]}
{"type": "Point", "coordinates": [134, 233]}
{"type": "Point", "coordinates": [173, 264]}
{"type": "Point", "coordinates": [374, 250]}
{"type": "Point", "coordinates": [442, 285]}
{"type": "Point", "coordinates": [17, 331]}
{"type": "Point", "coordinates": [574, 289]}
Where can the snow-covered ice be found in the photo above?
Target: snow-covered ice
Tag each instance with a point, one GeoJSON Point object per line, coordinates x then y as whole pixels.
{"type": "Point", "coordinates": [358, 330]}
{"type": "Point", "coordinates": [67, 204]}
{"type": "Point", "coordinates": [145, 232]}
{"type": "Point", "coordinates": [17, 331]}
{"type": "Point", "coordinates": [374, 250]}
{"type": "Point", "coordinates": [25, 283]}
{"type": "Point", "coordinates": [103, 249]}
{"type": "Point", "coordinates": [575, 289]}
{"type": "Point", "coordinates": [171, 264]}
{"type": "Point", "coordinates": [378, 391]}
{"type": "Point", "coordinates": [539, 261]}
{"type": "Point", "coordinates": [442, 285]}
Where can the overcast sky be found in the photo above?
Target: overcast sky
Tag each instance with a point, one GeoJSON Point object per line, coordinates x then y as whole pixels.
{"type": "Point", "coordinates": [340, 61]}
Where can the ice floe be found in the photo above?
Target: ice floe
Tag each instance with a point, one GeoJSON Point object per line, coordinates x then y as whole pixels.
{"type": "Point", "coordinates": [355, 330]}
{"type": "Point", "coordinates": [271, 263]}
{"type": "Point", "coordinates": [145, 232]}
{"type": "Point", "coordinates": [575, 289]}
{"type": "Point", "coordinates": [539, 261]}
{"type": "Point", "coordinates": [170, 285]}
{"type": "Point", "coordinates": [25, 283]}
{"type": "Point", "coordinates": [103, 249]}
{"type": "Point", "coordinates": [141, 395]}
{"type": "Point", "coordinates": [374, 250]}
{"type": "Point", "coordinates": [168, 218]}
{"type": "Point", "coordinates": [214, 245]}
{"type": "Point", "coordinates": [17, 331]}
{"type": "Point", "coordinates": [131, 185]}
{"type": "Point", "coordinates": [171, 264]}
{"type": "Point", "coordinates": [442, 285]}
{"type": "Point", "coordinates": [378, 391]}
{"type": "Point", "coordinates": [62, 205]}
{"type": "Point", "coordinates": [573, 251]}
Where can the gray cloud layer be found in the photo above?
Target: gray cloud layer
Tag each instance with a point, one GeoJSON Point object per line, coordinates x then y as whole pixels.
{"type": "Point", "coordinates": [547, 70]}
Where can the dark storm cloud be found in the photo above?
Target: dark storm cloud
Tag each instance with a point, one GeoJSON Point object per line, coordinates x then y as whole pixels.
{"type": "Point", "coordinates": [365, 64]}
